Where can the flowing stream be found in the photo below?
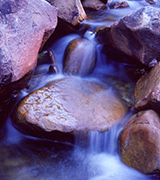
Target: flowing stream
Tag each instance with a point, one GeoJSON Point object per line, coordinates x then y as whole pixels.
{"type": "Point", "coordinates": [29, 158]}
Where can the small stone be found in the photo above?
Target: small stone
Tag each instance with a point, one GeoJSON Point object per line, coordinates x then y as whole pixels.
{"type": "Point", "coordinates": [53, 69]}
{"type": "Point", "coordinates": [94, 4]}
{"type": "Point", "coordinates": [152, 63]}
{"type": "Point", "coordinates": [118, 5]}
{"type": "Point", "coordinates": [53, 59]}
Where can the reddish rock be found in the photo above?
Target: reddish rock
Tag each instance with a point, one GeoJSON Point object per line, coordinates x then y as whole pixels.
{"type": "Point", "coordinates": [71, 10]}
{"type": "Point", "coordinates": [119, 4]}
{"type": "Point", "coordinates": [147, 90]}
{"type": "Point", "coordinates": [94, 4]}
{"type": "Point", "coordinates": [80, 57]}
{"type": "Point", "coordinates": [24, 27]}
{"type": "Point", "coordinates": [139, 142]}
{"type": "Point", "coordinates": [66, 106]}
{"type": "Point", "coordinates": [138, 35]}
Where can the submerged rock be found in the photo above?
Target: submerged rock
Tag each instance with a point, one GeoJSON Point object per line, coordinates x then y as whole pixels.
{"type": "Point", "coordinates": [24, 27]}
{"type": "Point", "coordinates": [139, 142]}
{"type": "Point", "coordinates": [147, 90]}
{"type": "Point", "coordinates": [79, 57]}
{"type": "Point", "coordinates": [66, 106]}
{"type": "Point", "coordinates": [71, 11]}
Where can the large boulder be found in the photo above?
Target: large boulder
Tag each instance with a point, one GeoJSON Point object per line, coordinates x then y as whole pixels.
{"type": "Point", "coordinates": [67, 106]}
{"type": "Point", "coordinates": [147, 90]}
{"type": "Point", "coordinates": [71, 11]}
{"type": "Point", "coordinates": [24, 27]}
{"type": "Point", "coordinates": [138, 35]}
{"type": "Point", "coordinates": [79, 57]}
{"type": "Point", "coordinates": [139, 142]}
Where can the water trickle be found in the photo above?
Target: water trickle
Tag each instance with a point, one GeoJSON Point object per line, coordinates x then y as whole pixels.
{"type": "Point", "coordinates": [58, 48]}
{"type": "Point", "coordinates": [107, 141]}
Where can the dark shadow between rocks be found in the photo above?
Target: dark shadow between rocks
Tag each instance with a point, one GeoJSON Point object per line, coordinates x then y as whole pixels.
{"type": "Point", "coordinates": [62, 29]}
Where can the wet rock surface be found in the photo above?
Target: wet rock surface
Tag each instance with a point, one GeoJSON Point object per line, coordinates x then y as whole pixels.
{"type": "Point", "coordinates": [147, 90]}
{"type": "Point", "coordinates": [79, 57]}
{"type": "Point", "coordinates": [68, 105]}
{"type": "Point", "coordinates": [94, 4]}
{"type": "Point", "coordinates": [137, 35]}
{"type": "Point", "coordinates": [118, 4]}
{"type": "Point", "coordinates": [74, 106]}
{"type": "Point", "coordinates": [24, 27]}
{"type": "Point", "coordinates": [141, 34]}
{"type": "Point", "coordinates": [139, 142]}
{"type": "Point", "coordinates": [71, 11]}
{"type": "Point", "coordinates": [151, 1]}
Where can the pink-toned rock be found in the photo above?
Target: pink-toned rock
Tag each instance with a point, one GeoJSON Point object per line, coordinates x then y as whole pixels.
{"type": "Point", "coordinates": [94, 4]}
{"type": "Point", "coordinates": [138, 35]}
{"type": "Point", "coordinates": [71, 10]}
{"type": "Point", "coordinates": [147, 90]}
{"type": "Point", "coordinates": [139, 142]}
{"type": "Point", "coordinates": [24, 27]}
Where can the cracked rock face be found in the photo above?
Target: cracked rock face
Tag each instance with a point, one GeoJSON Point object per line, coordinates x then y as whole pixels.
{"type": "Point", "coordinates": [24, 27]}
{"type": "Point", "coordinates": [68, 105]}
{"type": "Point", "coordinates": [138, 35]}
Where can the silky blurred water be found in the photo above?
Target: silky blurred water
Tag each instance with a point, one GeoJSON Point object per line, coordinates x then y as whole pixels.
{"type": "Point", "coordinates": [23, 157]}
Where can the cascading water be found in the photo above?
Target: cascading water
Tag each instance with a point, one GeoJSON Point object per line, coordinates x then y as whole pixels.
{"type": "Point", "coordinates": [29, 158]}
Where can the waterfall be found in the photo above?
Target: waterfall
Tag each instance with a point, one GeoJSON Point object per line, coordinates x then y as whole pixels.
{"type": "Point", "coordinates": [107, 141]}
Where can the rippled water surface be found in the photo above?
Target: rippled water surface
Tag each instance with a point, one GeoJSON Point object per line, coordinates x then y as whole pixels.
{"type": "Point", "coordinates": [23, 157]}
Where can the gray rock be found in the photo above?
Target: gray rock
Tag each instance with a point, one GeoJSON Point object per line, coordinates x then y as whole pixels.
{"type": "Point", "coordinates": [137, 35]}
